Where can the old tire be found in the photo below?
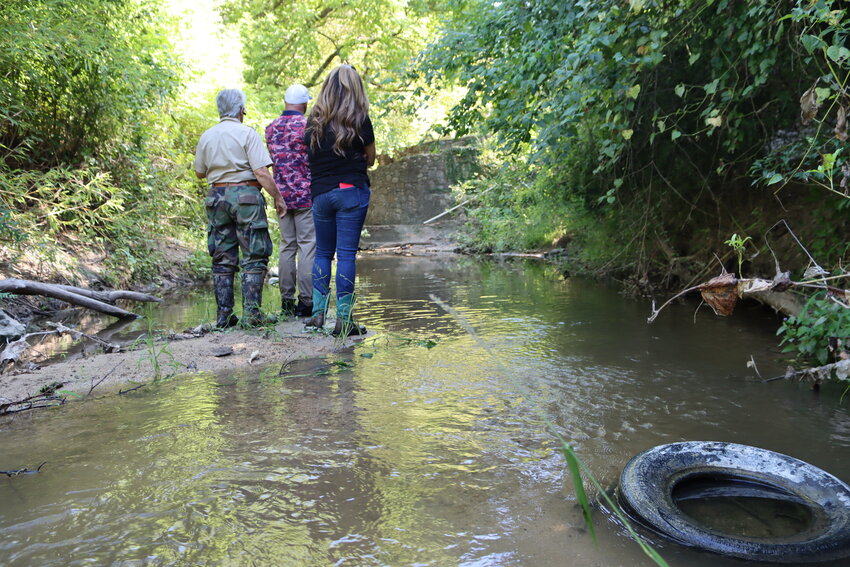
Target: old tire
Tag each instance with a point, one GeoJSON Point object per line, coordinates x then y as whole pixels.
{"type": "Point", "coordinates": [648, 481]}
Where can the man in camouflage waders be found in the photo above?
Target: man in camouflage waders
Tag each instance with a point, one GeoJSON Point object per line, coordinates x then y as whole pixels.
{"type": "Point", "coordinates": [233, 159]}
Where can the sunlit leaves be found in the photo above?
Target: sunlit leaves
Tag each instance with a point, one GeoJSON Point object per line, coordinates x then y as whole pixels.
{"type": "Point", "coordinates": [77, 76]}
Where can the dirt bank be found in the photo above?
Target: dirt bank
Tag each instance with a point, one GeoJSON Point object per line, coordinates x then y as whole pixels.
{"type": "Point", "coordinates": [112, 372]}
{"type": "Point", "coordinates": [106, 373]}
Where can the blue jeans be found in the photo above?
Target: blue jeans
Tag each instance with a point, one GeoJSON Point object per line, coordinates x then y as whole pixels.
{"type": "Point", "coordinates": [339, 216]}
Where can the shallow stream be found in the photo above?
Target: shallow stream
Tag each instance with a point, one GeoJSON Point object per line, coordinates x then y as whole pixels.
{"type": "Point", "coordinates": [429, 443]}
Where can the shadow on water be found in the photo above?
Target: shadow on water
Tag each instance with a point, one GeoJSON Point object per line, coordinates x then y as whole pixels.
{"type": "Point", "coordinates": [412, 447]}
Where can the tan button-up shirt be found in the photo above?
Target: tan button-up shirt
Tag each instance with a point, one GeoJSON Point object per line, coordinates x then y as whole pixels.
{"type": "Point", "coordinates": [230, 151]}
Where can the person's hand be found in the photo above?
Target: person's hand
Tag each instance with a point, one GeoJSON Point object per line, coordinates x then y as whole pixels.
{"type": "Point", "coordinates": [280, 207]}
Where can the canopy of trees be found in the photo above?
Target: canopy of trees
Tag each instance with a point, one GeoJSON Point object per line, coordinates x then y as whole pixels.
{"type": "Point", "coordinates": [79, 77]}
{"type": "Point", "coordinates": [655, 117]}
{"type": "Point", "coordinates": [662, 114]}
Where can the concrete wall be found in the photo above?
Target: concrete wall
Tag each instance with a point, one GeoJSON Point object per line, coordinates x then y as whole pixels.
{"type": "Point", "coordinates": [416, 186]}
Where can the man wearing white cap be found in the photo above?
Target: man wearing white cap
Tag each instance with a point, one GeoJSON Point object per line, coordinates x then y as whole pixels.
{"type": "Point", "coordinates": [285, 140]}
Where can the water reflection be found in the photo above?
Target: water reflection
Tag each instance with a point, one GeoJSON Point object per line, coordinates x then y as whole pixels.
{"type": "Point", "coordinates": [422, 445]}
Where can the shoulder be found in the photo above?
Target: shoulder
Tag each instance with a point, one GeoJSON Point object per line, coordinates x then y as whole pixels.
{"type": "Point", "coordinates": [208, 133]}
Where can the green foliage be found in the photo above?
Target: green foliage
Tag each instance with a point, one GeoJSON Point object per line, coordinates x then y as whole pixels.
{"type": "Point", "coordinates": [285, 43]}
{"type": "Point", "coordinates": [738, 244]}
{"type": "Point", "coordinates": [199, 264]}
{"type": "Point", "coordinates": [512, 211]}
{"type": "Point", "coordinates": [9, 231]}
{"type": "Point", "coordinates": [654, 109]}
{"type": "Point", "coordinates": [818, 333]}
{"type": "Point", "coordinates": [79, 78]}
{"type": "Point", "coordinates": [95, 153]}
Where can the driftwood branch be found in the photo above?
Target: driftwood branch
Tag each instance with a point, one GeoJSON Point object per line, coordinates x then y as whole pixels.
{"type": "Point", "coordinates": [723, 292]}
{"type": "Point", "coordinates": [24, 470]}
{"type": "Point", "coordinates": [40, 400]}
{"type": "Point", "coordinates": [15, 349]}
{"type": "Point", "coordinates": [90, 299]}
{"type": "Point", "coordinates": [110, 296]}
{"type": "Point", "coordinates": [840, 370]}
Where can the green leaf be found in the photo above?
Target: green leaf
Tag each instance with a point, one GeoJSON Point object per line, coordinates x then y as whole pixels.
{"type": "Point", "coordinates": [627, 133]}
{"type": "Point", "coordinates": [69, 393]}
{"type": "Point", "coordinates": [775, 178]}
{"type": "Point", "coordinates": [674, 135]}
{"type": "Point", "coordinates": [838, 53]}
{"type": "Point", "coordinates": [828, 161]}
{"type": "Point", "coordinates": [679, 90]}
{"type": "Point", "coordinates": [633, 92]}
{"type": "Point", "coordinates": [811, 42]}
{"type": "Point", "coordinates": [693, 58]}
{"type": "Point", "coordinates": [578, 485]}
{"type": "Point", "coordinates": [711, 87]}
{"type": "Point", "coordinates": [822, 93]}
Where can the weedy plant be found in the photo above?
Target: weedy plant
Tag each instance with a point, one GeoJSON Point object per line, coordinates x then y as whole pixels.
{"type": "Point", "coordinates": [578, 470]}
{"type": "Point", "coordinates": [158, 355]}
{"type": "Point", "coordinates": [738, 244]}
{"type": "Point", "coordinates": [819, 333]}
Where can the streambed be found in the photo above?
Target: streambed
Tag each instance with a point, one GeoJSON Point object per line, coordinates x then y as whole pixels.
{"type": "Point", "coordinates": [424, 444]}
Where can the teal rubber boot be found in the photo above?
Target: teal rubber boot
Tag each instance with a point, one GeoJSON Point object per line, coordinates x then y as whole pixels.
{"type": "Point", "coordinates": [320, 307]}
{"type": "Point", "coordinates": [345, 323]}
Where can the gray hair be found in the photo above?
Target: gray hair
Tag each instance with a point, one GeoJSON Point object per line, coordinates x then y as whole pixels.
{"type": "Point", "coordinates": [230, 102]}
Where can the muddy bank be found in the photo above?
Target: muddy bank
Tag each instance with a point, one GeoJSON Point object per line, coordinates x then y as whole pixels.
{"type": "Point", "coordinates": [220, 351]}
{"type": "Point", "coordinates": [139, 363]}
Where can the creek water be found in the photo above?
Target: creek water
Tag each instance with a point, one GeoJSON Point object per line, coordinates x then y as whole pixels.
{"type": "Point", "coordinates": [428, 443]}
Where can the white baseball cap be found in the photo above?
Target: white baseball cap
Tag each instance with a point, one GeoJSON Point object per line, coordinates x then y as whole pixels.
{"type": "Point", "coordinates": [296, 94]}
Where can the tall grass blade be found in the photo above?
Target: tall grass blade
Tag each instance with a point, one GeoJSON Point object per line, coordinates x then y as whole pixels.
{"type": "Point", "coordinates": [581, 495]}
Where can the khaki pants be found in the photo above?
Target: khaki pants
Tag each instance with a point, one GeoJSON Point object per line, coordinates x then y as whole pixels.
{"type": "Point", "coordinates": [297, 237]}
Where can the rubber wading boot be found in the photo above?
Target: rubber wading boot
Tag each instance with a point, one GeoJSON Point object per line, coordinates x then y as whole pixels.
{"type": "Point", "coordinates": [345, 324]}
{"type": "Point", "coordinates": [223, 289]}
{"type": "Point", "coordinates": [320, 307]}
{"type": "Point", "coordinates": [304, 308]}
{"type": "Point", "coordinates": [287, 308]}
{"type": "Point", "coordinates": [252, 300]}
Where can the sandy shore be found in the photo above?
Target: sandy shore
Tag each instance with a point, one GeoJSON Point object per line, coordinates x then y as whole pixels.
{"type": "Point", "coordinates": [110, 372]}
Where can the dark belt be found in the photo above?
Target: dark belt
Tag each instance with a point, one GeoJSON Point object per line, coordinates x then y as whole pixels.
{"type": "Point", "coordinates": [252, 183]}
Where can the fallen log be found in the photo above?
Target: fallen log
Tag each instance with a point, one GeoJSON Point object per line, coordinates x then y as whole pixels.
{"type": "Point", "coordinates": [722, 293]}
{"type": "Point", "coordinates": [15, 349]}
{"type": "Point", "coordinates": [27, 287]}
{"type": "Point", "coordinates": [840, 370]}
{"type": "Point", "coordinates": [112, 295]}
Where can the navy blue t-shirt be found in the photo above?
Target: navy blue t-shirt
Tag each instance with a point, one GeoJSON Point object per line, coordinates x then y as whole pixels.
{"type": "Point", "coordinates": [328, 169]}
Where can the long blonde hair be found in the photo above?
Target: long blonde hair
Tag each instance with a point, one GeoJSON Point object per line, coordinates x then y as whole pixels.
{"type": "Point", "coordinates": [341, 109]}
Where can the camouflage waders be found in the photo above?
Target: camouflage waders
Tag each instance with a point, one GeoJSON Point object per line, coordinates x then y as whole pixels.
{"type": "Point", "coordinates": [236, 216]}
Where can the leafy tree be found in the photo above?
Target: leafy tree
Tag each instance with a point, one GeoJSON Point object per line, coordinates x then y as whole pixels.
{"type": "Point", "coordinates": [286, 42]}
{"type": "Point", "coordinates": [299, 42]}
{"type": "Point", "coordinates": [659, 114]}
{"type": "Point", "coordinates": [78, 77]}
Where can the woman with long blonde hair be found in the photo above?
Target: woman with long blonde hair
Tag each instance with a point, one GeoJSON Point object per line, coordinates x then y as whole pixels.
{"type": "Point", "coordinates": [341, 147]}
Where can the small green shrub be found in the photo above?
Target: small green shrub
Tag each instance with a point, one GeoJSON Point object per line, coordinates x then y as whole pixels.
{"type": "Point", "coordinates": [520, 211]}
{"type": "Point", "coordinates": [818, 333]}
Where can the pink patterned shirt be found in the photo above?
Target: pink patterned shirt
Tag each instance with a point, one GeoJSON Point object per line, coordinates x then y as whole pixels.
{"type": "Point", "coordinates": [285, 139]}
